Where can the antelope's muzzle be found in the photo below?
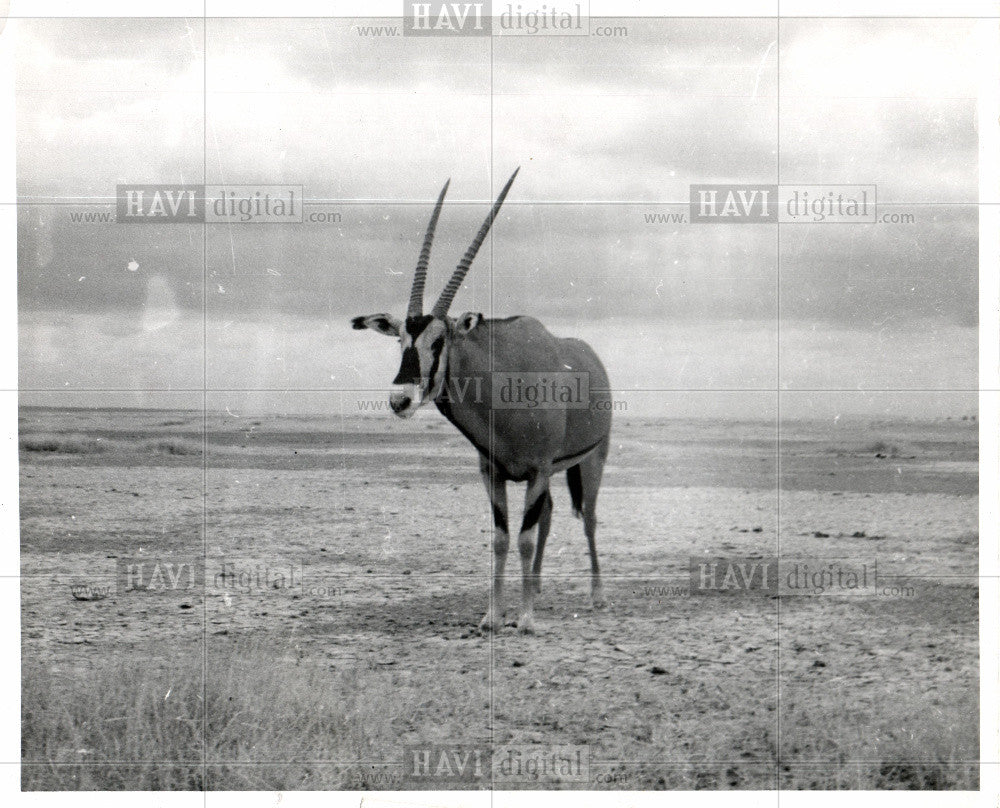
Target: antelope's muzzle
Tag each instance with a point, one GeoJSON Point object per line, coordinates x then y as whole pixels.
{"type": "Point", "coordinates": [399, 402]}
{"type": "Point", "coordinates": [406, 401]}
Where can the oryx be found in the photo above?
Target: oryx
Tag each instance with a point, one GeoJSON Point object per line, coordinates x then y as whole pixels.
{"type": "Point", "coordinates": [520, 444]}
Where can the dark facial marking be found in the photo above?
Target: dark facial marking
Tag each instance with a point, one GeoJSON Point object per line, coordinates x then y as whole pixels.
{"type": "Point", "coordinates": [416, 325]}
{"type": "Point", "coordinates": [409, 369]}
{"type": "Point", "coordinates": [436, 347]}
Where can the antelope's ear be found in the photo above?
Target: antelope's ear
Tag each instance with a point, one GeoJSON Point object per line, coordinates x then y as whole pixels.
{"type": "Point", "coordinates": [467, 321]}
{"type": "Point", "coordinates": [383, 323]}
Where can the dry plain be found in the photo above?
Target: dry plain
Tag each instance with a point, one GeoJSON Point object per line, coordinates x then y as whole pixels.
{"type": "Point", "coordinates": [357, 561]}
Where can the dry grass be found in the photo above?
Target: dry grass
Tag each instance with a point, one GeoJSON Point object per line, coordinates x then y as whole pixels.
{"type": "Point", "coordinates": [157, 724]}
{"type": "Point", "coordinates": [826, 742]}
{"type": "Point", "coordinates": [260, 705]}
{"type": "Point", "coordinates": [921, 744]}
{"type": "Point", "coordinates": [171, 446]}
{"type": "Point", "coordinates": [63, 444]}
{"type": "Point", "coordinates": [74, 444]}
{"type": "Point", "coordinates": [141, 711]}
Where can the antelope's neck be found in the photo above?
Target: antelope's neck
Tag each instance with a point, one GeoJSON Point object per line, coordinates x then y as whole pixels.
{"type": "Point", "coordinates": [469, 415]}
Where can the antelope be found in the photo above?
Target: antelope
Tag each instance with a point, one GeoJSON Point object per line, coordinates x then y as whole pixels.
{"type": "Point", "coordinates": [520, 444]}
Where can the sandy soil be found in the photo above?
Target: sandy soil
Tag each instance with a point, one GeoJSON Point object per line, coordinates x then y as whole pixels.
{"type": "Point", "coordinates": [388, 529]}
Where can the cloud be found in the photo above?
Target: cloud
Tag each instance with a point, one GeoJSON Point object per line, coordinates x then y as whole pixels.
{"type": "Point", "coordinates": [879, 59]}
{"type": "Point", "coordinates": [884, 276]}
{"type": "Point", "coordinates": [606, 130]}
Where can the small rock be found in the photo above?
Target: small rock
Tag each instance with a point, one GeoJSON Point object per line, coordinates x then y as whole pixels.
{"type": "Point", "coordinates": [87, 594]}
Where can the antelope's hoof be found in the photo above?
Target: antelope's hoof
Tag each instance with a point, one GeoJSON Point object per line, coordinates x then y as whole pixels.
{"type": "Point", "coordinates": [597, 601]}
{"type": "Point", "coordinates": [526, 624]}
{"type": "Point", "coordinates": [490, 623]}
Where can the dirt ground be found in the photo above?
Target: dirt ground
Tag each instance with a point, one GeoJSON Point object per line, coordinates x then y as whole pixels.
{"type": "Point", "coordinates": [361, 546]}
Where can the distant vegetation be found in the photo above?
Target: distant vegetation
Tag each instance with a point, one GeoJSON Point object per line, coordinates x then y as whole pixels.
{"type": "Point", "coordinates": [72, 444]}
{"type": "Point", "coordinates": [884, 449]}
{"type": "Point", "coordinates": [63, 444]}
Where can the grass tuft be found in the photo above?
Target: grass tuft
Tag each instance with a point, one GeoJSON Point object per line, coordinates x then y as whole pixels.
{"type": "Point", "coordinates": [63, 444]}
{"type": "Point", "coordinates": [158, 718]}
{"type": "Point", "coordinates": [84, 445]}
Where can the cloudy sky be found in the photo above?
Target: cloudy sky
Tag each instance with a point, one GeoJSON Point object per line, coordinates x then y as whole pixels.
{"type": "Point", "coordinates": [608, 132]}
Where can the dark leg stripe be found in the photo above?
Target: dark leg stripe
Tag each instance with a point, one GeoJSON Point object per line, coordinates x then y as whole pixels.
{"type": "Point", "coordinates": [499, 518]}
{"type": "Point", "coordinates": [532, 514]}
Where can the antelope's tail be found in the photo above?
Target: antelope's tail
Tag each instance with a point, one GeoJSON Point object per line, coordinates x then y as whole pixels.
{"type": "Point", "coordinates": [575, 489]}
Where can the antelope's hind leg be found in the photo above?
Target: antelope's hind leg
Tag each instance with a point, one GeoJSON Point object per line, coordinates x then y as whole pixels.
{"type": "Point", "coordinates": [591, 471]}
{"type": "Point", "coordinates": [544, 523]}
{"type": "Point", "coordinates": [496, 488]}
{"type": "Point", "coordinates": [597, 599]}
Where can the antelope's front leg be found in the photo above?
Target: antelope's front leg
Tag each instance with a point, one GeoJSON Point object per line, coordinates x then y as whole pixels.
{"type": "Point", "coordinates": [497, 490]}
{"type": "Point", "coordinates": [535, 501]}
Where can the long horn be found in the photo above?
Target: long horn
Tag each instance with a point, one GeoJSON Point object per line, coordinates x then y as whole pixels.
{"type": "Point", "coordinates": [417, 292]}
{"type": "Point", "coordinates": [441, 307]}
